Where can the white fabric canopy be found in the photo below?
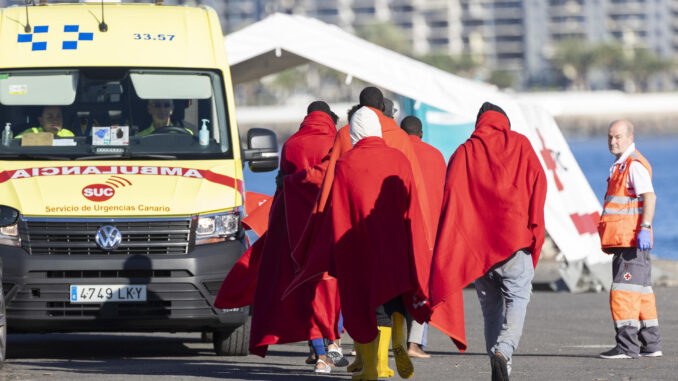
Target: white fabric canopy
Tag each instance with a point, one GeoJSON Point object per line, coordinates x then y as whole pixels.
{"type": "Point", "coordinates": [283, 41]}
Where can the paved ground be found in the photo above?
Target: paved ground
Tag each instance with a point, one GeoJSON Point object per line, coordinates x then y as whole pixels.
{"type": "Point", "coordinates": [563, 335]}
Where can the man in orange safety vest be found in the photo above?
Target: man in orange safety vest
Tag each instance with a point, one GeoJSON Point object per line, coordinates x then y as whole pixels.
{"type": "Point", "coordinates": [625, 230]}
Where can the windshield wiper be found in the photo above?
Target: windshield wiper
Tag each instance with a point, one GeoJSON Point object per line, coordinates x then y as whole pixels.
{"type": "Point", "coordinates": [24, 156]}
{"type": "Point", "coordinates": [150, 156]}
{"type": "Point", "coordinates": [99, 157]}
{"type": "Point", "coordinates": [128, 156]}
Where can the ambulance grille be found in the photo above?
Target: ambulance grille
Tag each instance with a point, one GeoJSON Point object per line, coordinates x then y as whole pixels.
{"type": "Point", "coordinates": [77, 237]}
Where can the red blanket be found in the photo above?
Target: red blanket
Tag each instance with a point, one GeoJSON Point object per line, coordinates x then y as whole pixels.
{"type": "Point", "coordinates": [433, 168]}
{"type": "Point", "coordinates": [374, 212]}
{"type": "Point", "coordinates": [311, 254]}
{"type": "Point", "coordinates": [237, 290]}
{"type": "Point", "coordinates": [257, 207]}
{"type": "Point", "coordinates": [314, 310]}
{"type": "Point", "coordinates": [493, 205]}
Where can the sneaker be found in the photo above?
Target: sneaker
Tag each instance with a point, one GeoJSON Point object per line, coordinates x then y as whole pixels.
{"type": "Point", "coordinates": [499, 367]}
{"type": "Point", "coordinates": [337, 357]}
{"type": "Point", "coordinates": [615, 353]}
{"type": "Point", "coordinates": [651, 354]}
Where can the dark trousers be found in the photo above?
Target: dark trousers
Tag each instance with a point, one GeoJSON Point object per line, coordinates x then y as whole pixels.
{"type": "Point", "coordinates": [385, 311]}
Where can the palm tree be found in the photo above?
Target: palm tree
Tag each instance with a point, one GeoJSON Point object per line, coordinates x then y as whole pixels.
{"type": "Point", "coordinates": [575, 58]}
{"type": "Point", "coordinates": [642, 65]}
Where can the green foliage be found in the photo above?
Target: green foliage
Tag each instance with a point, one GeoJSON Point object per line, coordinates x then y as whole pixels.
{"type": "Point", "coordinates": [640, 64]}
{"type": "Point", "coordinates": [502, 79]}
{"type": "Point", "coordinates": [575, 59]}
{"type": "Point", "coordinates": [464, 65]}
{"type": "Point", "coordinates": [385, 34]}
{"type": "Point", "coordinates": [289, 78]}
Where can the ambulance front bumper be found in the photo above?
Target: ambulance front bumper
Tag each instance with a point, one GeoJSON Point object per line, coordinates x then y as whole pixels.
{"type": "Point", "coordinates": [179, 290]}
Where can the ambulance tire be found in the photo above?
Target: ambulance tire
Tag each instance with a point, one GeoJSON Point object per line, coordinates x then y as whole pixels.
{"type": "Point", "coordinates": [233, 342]}
{"type": "Point", "coordinates": [3, 329]}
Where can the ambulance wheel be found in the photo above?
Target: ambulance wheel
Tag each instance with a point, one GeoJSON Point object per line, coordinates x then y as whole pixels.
{"type": "Point", "coordinates": [3, 329]}
{"type": "Point", "coordinates": [232, 342]}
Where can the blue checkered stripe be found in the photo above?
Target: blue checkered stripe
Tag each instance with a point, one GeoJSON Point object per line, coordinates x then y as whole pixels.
{"type": "Point", "coordinates": [74, 30]}
{"type": "Point", "coordinates": [73, 36]}
{"type": "Point", "coordinates": [35, 45]}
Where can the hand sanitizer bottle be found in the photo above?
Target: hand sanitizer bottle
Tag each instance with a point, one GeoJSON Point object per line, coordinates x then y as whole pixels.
{"type": "Point", "coordinates": [204, 134]}
{"type": "Point", "coordinates": [7, 135]}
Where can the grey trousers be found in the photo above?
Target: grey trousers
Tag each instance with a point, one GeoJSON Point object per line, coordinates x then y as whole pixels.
{"type": "Point", "coordinates": [504, 293]}
{"type": "Point", "coordinates": [416, 333]}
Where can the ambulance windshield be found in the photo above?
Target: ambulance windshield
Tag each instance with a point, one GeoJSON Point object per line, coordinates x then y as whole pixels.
{"type": "Point", "coordinates": [98, 113]}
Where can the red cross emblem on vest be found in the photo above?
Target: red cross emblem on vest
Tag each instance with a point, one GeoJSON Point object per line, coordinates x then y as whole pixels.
{"type": "Point", "coordinates": [627, 276]}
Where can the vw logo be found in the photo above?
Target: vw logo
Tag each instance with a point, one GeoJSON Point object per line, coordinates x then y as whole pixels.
{"type": "Point", "coordinates": [108, 237]}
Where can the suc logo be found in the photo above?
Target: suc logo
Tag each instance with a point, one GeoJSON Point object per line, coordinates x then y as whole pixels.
{"type": "Point", "coordinates": [98, 192]}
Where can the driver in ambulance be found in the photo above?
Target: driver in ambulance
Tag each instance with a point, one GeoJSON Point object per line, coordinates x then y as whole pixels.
{"type": "Point", "coordinates": [161, 111]}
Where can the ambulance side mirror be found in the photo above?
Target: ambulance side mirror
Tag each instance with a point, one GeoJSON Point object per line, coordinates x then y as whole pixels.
{"type": "Point", "coordinates": [262, 150]}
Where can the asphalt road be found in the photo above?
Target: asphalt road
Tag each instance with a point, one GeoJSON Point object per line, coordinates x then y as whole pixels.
{"type": "Point", "coordinates": [563, 335]}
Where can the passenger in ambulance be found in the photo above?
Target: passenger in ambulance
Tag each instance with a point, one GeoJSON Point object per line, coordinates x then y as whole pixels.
{"type": "Point", "coordinates": [161, 111]}
{"type": "Point", "coordinates": [51, 119]}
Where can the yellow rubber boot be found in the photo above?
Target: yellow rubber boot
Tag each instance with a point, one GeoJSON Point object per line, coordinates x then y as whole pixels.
{"type": "Point", "coordinates": [403, 362]}
{"type": "Point", "coordinates": [357, 364]}
{"type": "Point", "coordinates": [382, 355]}
{"type": "Point", "coordinates": [369, 356]}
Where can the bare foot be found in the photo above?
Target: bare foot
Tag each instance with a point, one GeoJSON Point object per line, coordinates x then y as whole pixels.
{"type": "Point", "coordinates": [414, 350]}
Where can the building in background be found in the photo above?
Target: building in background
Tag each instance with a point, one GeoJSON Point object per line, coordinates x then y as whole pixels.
{"type": "Point", "coordinates": [518, 37]}
{"type": "Point", "coordinates": [507, 36]}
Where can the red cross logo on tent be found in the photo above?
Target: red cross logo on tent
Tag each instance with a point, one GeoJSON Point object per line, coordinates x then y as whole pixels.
{"type": "Point", "coordinates": [550, 162]}
{"type": "Point", "coordinates": [627, 276]}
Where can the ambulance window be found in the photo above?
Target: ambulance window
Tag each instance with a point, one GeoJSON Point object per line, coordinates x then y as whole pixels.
{"type": "Point", "coordinates": [132, 112]}
{"type": "Point", "coordinates": [42, 88]}
{"type": "Point", "coordinates": [175, 86]}
{"type": "Point", "coordinates": [194, 98]}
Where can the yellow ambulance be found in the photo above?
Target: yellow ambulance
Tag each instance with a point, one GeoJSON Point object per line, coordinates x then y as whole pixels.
{"type": "Point", "coordinates": [121, 171]}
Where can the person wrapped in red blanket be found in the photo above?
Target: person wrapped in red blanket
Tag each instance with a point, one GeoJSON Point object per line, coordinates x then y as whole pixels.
{"type": "Point", "coordinates": [377, 229]}
{"type": "Point", "coordinates": [313, 311]}
{"type": "Point", "coordinates": [314, 244]}
{"type": "Point", "coordinates": [433, 168]}
{"type": "Point", "coordinates": [491, 230]}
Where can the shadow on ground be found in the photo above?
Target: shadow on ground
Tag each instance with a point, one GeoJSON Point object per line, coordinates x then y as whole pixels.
{"type": "Point", "coordinates": [115, 355]}
{"type": "Point", "coordinates": [168, 367]}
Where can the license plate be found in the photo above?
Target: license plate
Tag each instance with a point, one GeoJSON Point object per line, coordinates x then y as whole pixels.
{"type": "Point", "coordinates": [100, 293]}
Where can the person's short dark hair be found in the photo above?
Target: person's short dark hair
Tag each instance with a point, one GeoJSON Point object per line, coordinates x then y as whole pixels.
{"type": "Point", "coordinates": [352, 111]}
{"type": "Point", "coordinates": [487, 106]}
{"type": "Point", "coordinates": [324, 107]}
{"type": "Point", "coordinates": [372, 97]}
{"type": "Point", "coordinates": [389, 108]}
{"type": "Point", "coordinates": [411, 125]}
{"type": "Point", "coordinates": [318, 106]}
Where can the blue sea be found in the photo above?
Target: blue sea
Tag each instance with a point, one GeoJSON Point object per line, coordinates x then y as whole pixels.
{"type": "Point", "coordinates": [595, 160]}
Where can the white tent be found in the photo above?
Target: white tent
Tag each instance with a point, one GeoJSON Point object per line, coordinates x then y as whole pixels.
{"type": "Point", "coordinates": [282, 41]}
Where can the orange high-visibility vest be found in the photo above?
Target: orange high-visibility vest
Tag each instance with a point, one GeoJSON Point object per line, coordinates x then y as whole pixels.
{"type": "Point", "coordinates": [622, 212]}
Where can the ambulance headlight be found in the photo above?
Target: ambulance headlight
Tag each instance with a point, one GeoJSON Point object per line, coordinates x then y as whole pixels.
{"type": "Point", "coordinates": [9, 229]}
{"type": "Point", "coordinates": [217, 227]}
